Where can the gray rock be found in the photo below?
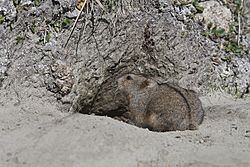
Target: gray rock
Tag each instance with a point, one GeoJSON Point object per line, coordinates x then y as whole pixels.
{"type": "Point", "coordinates": [236, 75]}
{"type": "Point", "coordinates": [26, 2]}
{"type": "Point", "coordinates": [8, 9]}
{"type": "Point", "coordinates": [246, 19]}
{"type": "Point", "coordinates": [215, 13]}
{"type": "Point", "coordinates": [67, 4]}
{"type": "Point", "coordinates": [246, 10]}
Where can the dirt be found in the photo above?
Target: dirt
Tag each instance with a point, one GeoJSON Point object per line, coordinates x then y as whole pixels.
{"type": "Point", "coordinates": [36, 128]}
{"type": "Point", "coordinates": [34, 134]}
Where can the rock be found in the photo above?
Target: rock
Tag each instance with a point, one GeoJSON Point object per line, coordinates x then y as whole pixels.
{"type": "Point", "coordinates": [72, 14]}
{"type": "Point", "coordinates": [215, 13]}
{"type": "Point", "coordinates": [61, 78]}
{"type": "Point", "coordinates": [246, 39]}
{"type": "Point", "coordinates": [246, 20]}
{"type": "Point", "coordinates": [184, 12]}
{"type": "Point", "coordinates": [26, 2]}
{"type": "Point", "coordinates": [246, 11]}
{"type": "Point", "coordinates": [8, 9]}
{"type": "Point", "coordinates": [67, 4]}
{"type": "Point", "coordinates": [182, 2]}
{"type": "Point", "coordinates": [236, 75]}
{"type": "Point", "coordinates": [4, 65]}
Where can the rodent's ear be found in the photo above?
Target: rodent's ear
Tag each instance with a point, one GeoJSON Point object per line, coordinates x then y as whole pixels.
{"type": "Point", "coordinates": [151, 83]}
{"type": "Point", "coordinates": [144, 84]}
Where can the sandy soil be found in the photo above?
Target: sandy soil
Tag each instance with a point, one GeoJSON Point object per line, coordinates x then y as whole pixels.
{"type": "Point", "coordinates": [35, 130]}
{"type": "Point", "coordinates": [36, 133]}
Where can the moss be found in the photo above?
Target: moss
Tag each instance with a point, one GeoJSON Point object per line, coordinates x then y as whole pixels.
{"type": "Point", "coordinates": [199, 8]}
{"type": "Point", "coordinates": [20, 39]}
{"type": "Point", "coordinates": [2, 19]}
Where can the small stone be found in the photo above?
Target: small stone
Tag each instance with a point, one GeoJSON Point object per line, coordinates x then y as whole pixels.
{"type": "Point", "coordinates": [247, 134]}
{"type": "Point", "coordinates": [215, 13]}
{"type": "Point", "coordinates": [8, 9]}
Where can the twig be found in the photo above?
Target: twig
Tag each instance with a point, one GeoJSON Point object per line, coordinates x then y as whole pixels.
{"type": "Point", "coordinates": [83, 28]}
{"type": "Point", "coordinates": [77, 18]}
{"type": "Point", "coordinates": [100, 4]}
{"type": "Point", "coordinates": [97, 48]}
{"type": "Point", "coordinates": [44, 37]}
{"type": "Point", "coordinates": [238, 37]}
{"type": "Point", "coordinates": [239, 22]}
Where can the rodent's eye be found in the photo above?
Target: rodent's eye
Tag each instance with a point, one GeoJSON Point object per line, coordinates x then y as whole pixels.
{"type": "Point", "coordinates": [129, 77]}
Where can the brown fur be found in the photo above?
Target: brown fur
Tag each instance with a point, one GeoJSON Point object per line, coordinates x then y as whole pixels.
{"type": "Point", "coordinates": [160, 107]}
{"type": "Point", "coordinates": [144, 84]}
